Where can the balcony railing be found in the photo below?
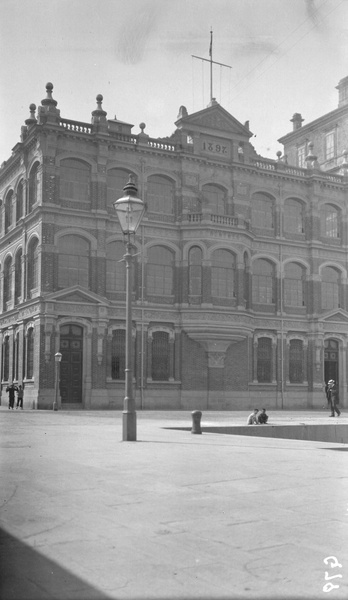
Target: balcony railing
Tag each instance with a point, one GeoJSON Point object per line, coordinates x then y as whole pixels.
{"type": "Point", "coordinates": [280, 167]}
{"type": "Point", "coordinates": [76, 126]}
{"type": "Point", "coordinates": [122, 137]}
{"type": "Point", "coordinates": [216, 219]}
{"type": "Point", "coordinates": [224, 220]}
{"type": "Point", "coordinates": [153, 143]}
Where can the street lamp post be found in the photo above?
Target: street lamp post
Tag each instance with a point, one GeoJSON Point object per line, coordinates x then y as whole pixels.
{"type": "Point", "coordinates": [57, 360]}
{"type": "Point", "coordinates": [130, 211]}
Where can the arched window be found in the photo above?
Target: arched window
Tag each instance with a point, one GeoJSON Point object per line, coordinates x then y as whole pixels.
{"type": "Point", "coordinates": [293, 216]}
{"type": "Point", "coordinates": [263, 282]}
{"type": "Point", "coordinates": [118, 354]}
{"type": "Point", "coordinates": [262, 211]}
{"type": "Point", "coordinates": [8, 210]}
{"type": "Point", "coordinates": [6, 359]}
{"type": "Point", "coordinates": [223, 274]}
{"type": "Point", "coordinates": [18, 276]}
{"type": "Point", "coordinates": [30, 354]}
{"type": "Point", "coordinates": [116, 179]}
{"type": "Point", "coordinates": [294, 285]}
{"type": "Point", "coordinates": [296, 361]}
{"type": "Point", "coordinates": [33, 265]}
{"type": "Point", "coordinates": [73, 261]}
{"type": "Point", "coordinates": [264, 360]}
{"type": "Point", "coordinates": [115, 267]}
{"type": "Point", "coordinates": [215, 197]}
{"type": "Point", "coordinates": [7, 281]}
{"type": "Point", "coordinates": [75, 178]}
{"type": "Point", "coordinates": [330, 288]}
{"type": "Point", "coordinates": [33, 186]}
{"type": "Point", "coordinates": [160, 195]}
{"type": "Point", "coordinates": [160, 270]}
{"type": "Point", "coordinates": [330, 221]}
{"type": "Point", "coordinates": [19, 201]}
{"type": "Point", "coordinates": [160, 356]}
{"type": "Point", "coordinates": [195, 271]}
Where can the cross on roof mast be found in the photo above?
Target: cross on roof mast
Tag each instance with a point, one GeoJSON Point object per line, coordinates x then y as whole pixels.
{"type": "Point", "coordinates": [211, 61]}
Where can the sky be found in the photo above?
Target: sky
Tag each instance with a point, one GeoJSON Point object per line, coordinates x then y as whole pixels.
{"type": "Point", "coordinates": [286, 56]}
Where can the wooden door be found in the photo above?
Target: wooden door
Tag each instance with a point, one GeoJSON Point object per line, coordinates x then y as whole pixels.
{"type": "Point", "coordinates": [71, 347]}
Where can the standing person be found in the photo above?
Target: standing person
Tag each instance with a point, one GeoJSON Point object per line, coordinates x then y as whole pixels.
{"type": "Point", "coordinates": [333, 398]}
{"type": "Point", "coordinates": [11, 389]}
{"type": "Point", "coordinates": [252, 418]}
{"type": "Point", "coordinates": [20, 394]}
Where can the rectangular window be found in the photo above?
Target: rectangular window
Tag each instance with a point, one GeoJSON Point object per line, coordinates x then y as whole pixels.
{"type": "Point", "coordinates": [331, 223]}
{"type": "Point", "coordinates": [73, 270]}
{"type": "Point", "coordinates": [195, 280]}
{"type": "Point", "coordinates": [6, 359]}
{"type": "Point", "coordinates": [16, 355]}
{"type": "Point", "coordinates": [30, 354]}
{"type": "Point", "coordinates": [262, 289]}
{"type": "Point", "coordinates": [293, 219]}
{"type": "Point", "coordinates": [160, 356]}
{"type": "Point", "coordinates": [160, 195]}
{"type": "Point", "coordinates": [159, 280]}
{"type": "Point", "coordinates": [301, 156]}
{"type": "Point", "coordinates": [293, 292]}
{"type": "Point", "coordinates": [115, 276]}
{"type": "Point", "coordinates": [262, 214]}
{"type": "Point", "coordinates": [75, 183]}
{"type": "Point", "coordinates": [330, 145]}
{"type": "Point", "coordinates": [222, 282]}
{"type": "Point", "coordinates": [118, 354]}
{"type": "Point", "coordinates": [264, 355]}
{"type": "Point", "coordinates": [329, 295]}
{"type": "Point", "coordinates": [296, 359]}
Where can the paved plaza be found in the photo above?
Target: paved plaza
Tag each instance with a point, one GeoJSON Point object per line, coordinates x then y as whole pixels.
{"type": "Point", "coordinates": [85, 516]}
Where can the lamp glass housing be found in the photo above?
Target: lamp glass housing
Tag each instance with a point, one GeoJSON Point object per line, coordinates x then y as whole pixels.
{"type": "Point", "coordinates": [58, 357]}
{"type": "Point", "coordinates": [129, 210]}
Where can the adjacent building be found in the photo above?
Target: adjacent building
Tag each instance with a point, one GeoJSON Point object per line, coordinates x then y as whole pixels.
{"type": "Point", "coordinates": [240, 279]}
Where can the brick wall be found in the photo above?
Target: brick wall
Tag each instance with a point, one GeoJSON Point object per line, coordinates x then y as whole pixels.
{"type": "Point", "coordinates": [194, 375]}
{"type": "Point", "coordinates": [236, 367]}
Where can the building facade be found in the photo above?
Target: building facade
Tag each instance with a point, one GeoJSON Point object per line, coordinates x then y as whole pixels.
{"type": "Point", "coordinates": [240, 275]}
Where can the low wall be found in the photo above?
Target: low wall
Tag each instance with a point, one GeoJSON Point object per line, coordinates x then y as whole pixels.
{"type": "Point", "coordinates": [337, 434]}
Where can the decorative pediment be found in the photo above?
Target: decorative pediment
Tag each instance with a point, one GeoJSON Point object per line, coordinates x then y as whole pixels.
{"type": "Point", "coordinates": [340, 316]}
{"type": "Point", "coordinates": [216, 119]}
{"type": "Point", "coordinates": [77, 295]}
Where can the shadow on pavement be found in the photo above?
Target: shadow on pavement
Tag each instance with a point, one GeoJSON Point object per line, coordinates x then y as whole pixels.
{"type": "Point", "coordinates": [25, 574]}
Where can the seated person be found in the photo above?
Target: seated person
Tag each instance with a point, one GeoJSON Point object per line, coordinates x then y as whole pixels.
{"type": "Point", "coordinates": [252, 419]}
{"type": "Point", "coordinates": [262, 418]}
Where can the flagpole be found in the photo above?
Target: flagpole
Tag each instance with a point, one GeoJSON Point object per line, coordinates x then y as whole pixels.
{"type": "Point", "coordinates": [211, 64]}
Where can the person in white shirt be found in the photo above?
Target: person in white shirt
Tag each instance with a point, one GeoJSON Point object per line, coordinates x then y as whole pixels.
{"type": "Point", "coordinates": [252, 419]}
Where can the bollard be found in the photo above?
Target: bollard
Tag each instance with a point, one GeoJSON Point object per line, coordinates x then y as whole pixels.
{"type": "Point", "coordinates": [196, 421]}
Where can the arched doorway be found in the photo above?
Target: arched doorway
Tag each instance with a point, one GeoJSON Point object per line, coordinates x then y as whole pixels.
{"type": "Point", "coordinates": [331, 361]}
{"type": "Point", "coordinates": [71, 347]}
